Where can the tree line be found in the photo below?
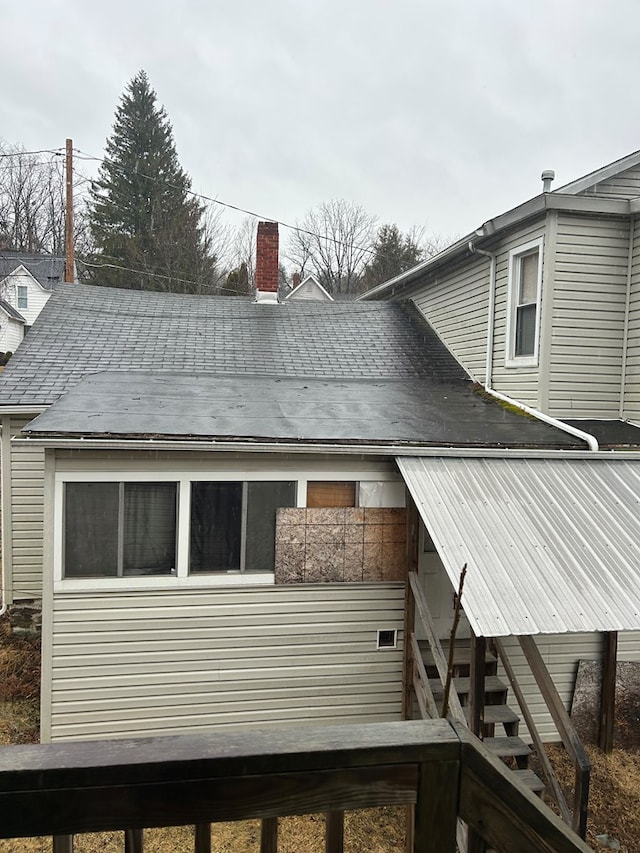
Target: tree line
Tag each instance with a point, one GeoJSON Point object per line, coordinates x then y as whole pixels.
{"type": "Point", "coordinates": [139, 225]}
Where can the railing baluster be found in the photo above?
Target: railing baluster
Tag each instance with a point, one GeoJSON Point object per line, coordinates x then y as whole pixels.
{"type": "Point", "coordinates": [269, 835]}
{"type": "Point", "coordinates": [334, 838]}
{"type": "Point", "coordinates": [133, 841]}
{"type": "Point", "coordinates": [202, 838]}
{"type": "Point", "coordinates": [62, 844]}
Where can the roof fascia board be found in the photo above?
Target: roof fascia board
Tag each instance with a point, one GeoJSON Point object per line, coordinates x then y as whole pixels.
{"type": "Point", "coordinates": [22, 410]}
{"type": "Point", "coordinates": [602, 174]}
{"type": "Point", "coordinates": [313, 281]}
{"type": "Point", "coordinates": [493, 227]}
{"type": "Point", "coordinates": [344, 449]}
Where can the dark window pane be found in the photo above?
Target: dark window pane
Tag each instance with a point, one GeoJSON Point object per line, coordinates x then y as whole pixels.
{"type": "Point", "coordinates": [216, 522]}
{"type": "Point", "coordinates": [263, 499]}
{"type": "Point", "coordinates": [91, 530]}
{"type": "Point", "coordinates": [525, 330]}
{"type": "Point", "coordinates": [149, 546]}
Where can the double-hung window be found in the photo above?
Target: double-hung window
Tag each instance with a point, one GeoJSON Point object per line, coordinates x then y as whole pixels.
{"type": "Point", "coordinates": [523, 319]}
{"type": "Point", "coordinates": [22, 296]}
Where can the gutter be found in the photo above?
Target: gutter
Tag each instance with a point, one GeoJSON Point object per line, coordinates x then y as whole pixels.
{"type": "Point", "coordinates": [590, 440]}
{"type": "Point", "coordinates": [343, 449]}
{"type": "Point", "coordinates": [490, 310]}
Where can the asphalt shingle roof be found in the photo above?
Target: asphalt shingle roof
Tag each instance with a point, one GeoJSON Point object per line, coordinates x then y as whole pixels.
{"type": "Point", "coordinates": [187, 344]}
{"type": "Point", "coordinates": [48, 270]}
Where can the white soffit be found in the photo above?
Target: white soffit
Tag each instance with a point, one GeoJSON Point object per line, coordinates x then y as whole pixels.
{"type": "Point", "coordinates": [551, 545]}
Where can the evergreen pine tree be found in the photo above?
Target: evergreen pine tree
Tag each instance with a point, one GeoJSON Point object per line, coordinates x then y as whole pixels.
{"type": "Point", "coordinates": [142, 215]}
{"type": "Point", "coordinates": [395, 252]}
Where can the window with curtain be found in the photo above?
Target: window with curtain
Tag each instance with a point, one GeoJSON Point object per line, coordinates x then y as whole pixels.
{"type": "Point", "coordinates": [119, 529]}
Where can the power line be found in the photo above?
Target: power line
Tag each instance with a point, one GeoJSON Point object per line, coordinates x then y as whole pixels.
{"type": "Point", "coordinates": [56, 151]}
{"type": "Point", "coordinates": [83, 155]}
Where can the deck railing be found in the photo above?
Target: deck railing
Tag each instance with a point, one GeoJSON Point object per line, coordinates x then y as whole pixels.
{"type": "Point", "coordinates": [437, 765]}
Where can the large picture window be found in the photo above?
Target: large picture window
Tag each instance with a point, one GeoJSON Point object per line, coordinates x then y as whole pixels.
{"type": "Point", "coordinates": [523, 322]}
{"type": "Point", "coordinates": [119, 529]}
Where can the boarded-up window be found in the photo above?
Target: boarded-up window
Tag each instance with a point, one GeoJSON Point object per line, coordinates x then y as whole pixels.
{"type": "Point", "coordinates": [327, 494]}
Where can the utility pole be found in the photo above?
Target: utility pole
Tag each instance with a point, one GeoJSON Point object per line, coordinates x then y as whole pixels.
{"type": "Point", "coordinates": [69, 265]}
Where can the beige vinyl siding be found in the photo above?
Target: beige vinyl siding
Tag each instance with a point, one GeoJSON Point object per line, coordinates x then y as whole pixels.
{"type": "Point", "coordinates": [629, 646]}
{"type": "Point", "coordinates": [561, 653]}
{"type": "Point", "coordinates": [26, 483]}
{"type": "Point", "coordinates": [588, 318]}
{"type": "Point", "coordinates": [632, 374]}
{"type": "Point", "coordinates": [456, 306]}
{"type": "Point", "coordinates": [159, 663]}
{"type": "Point", "coordinates": [521, 383]}
{"type": "Point", "coordinates": [624, 185]}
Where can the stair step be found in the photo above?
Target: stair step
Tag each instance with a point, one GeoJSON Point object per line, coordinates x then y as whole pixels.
{"type": "Point", "coordinates": [462, 659]}
{"type": "Point", "coordinates": [492, 684]}
{"type": "Point", "coordinates": [497, 714]}
{"type": "Point", "coordinates": [530, 780]}
{"type": "Point", "coordinates": [506, 747]}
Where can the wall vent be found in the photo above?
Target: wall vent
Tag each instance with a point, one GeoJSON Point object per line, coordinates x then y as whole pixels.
{"type": "Point", "coordinates": [387, 639]}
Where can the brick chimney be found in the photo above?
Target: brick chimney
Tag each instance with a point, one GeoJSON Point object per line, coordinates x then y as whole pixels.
{"type": "Point", "coordinates": [267, 262]}
{"type": "Point", "coordinates": [295, 280]}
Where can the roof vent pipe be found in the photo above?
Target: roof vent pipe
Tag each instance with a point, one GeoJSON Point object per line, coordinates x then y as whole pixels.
{"type": "Point", "coordinates": [547, 176]}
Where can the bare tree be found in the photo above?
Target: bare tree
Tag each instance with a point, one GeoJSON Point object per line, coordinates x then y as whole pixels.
{"type": "Point", "coordinates": [31, 201]}
{"type": "Point", "coordinates": [334, 241]}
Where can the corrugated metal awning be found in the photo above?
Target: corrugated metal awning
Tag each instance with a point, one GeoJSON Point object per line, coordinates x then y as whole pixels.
{"type": "Point", "coordinates": [551, 545]}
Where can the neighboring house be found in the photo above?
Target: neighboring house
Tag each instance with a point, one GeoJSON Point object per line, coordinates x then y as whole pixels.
{"type": "Point", "coordinates": [310, 289]}
{"type": "Point", "coordinates": [26, 281]}
{"type": "Point", "coordinates": [209, 495]}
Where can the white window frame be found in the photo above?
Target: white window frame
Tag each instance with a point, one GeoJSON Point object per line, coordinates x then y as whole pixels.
{"type": "Point", "coordinates": [22, 290]}
{"type": "Point", "coordinates": [183, 479]}
{"type": "Point", "coordinates": [513, 286]}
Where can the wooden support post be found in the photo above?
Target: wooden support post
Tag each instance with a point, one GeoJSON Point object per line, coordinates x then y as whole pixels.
{"type": "Point", "coordinates": [202, 838]}
{"type": "Point", "coordinates": [476, 686]}
{"type": "Point", "coordinates": [413, 522]}
{"type": "Point", "coordinates": [608, 693]}
{"type": "Point", "coordinates": [437, 807]}
{"type": "Point", "coordinates": [269, 835]}
{"type": "Point", "coordinates": [133, 841]}
{"type": "Point", "coordinates": [334, 838]}
{"type": "Point", "coordinates": [62, 844]}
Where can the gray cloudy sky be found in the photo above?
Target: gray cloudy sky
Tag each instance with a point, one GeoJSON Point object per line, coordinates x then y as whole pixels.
{"type": "Point", "coordinates": [423, 111]}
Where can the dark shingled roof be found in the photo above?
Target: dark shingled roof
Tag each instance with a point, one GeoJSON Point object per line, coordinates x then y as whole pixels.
{"type": "Point", "coordinates": [178, 352]}
{"type": "Point", "coordinates": [11, 311]}
{"type": "Point", "coordinates": [48, 270]}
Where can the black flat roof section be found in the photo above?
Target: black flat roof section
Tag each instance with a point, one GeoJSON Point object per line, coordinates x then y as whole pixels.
{"type": "Point", "coordinates": [311, 409]}
{"type": "Point", "coordinates": [608, 433]}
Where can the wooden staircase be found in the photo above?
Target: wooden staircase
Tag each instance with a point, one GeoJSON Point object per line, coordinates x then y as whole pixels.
{"type": "Point", "coordinates": [500, 722]}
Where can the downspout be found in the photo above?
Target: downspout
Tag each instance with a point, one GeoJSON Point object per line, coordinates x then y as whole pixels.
{"type": "Point", "coordinates": [627, 308]}
{"type": "Point", "coordinates": [490, 310]}
{"type": "Point", "coordinates": [590, 440]}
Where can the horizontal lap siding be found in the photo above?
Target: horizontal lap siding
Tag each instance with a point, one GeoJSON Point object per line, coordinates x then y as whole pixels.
{"type": "Point", "coordinates": [521, 383]}
{"type": "Point", "coordinates": [27, 515]}
{"type": "Point", "coordinates": [588, 322]}
{"type": "Point", "coordinates": [632, 378]}
{"type": "Point", "coordinates": [456, 306]}
{"type": "Point", "coordinates": [561, 653]}
{"type": "Point", "coordinates": [624, 185]}
{"type": "Point", "coordinates": [134, 664]}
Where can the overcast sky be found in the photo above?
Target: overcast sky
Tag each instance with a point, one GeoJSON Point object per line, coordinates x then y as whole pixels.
{"type": "Point", "coordinates": [442, 112]}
